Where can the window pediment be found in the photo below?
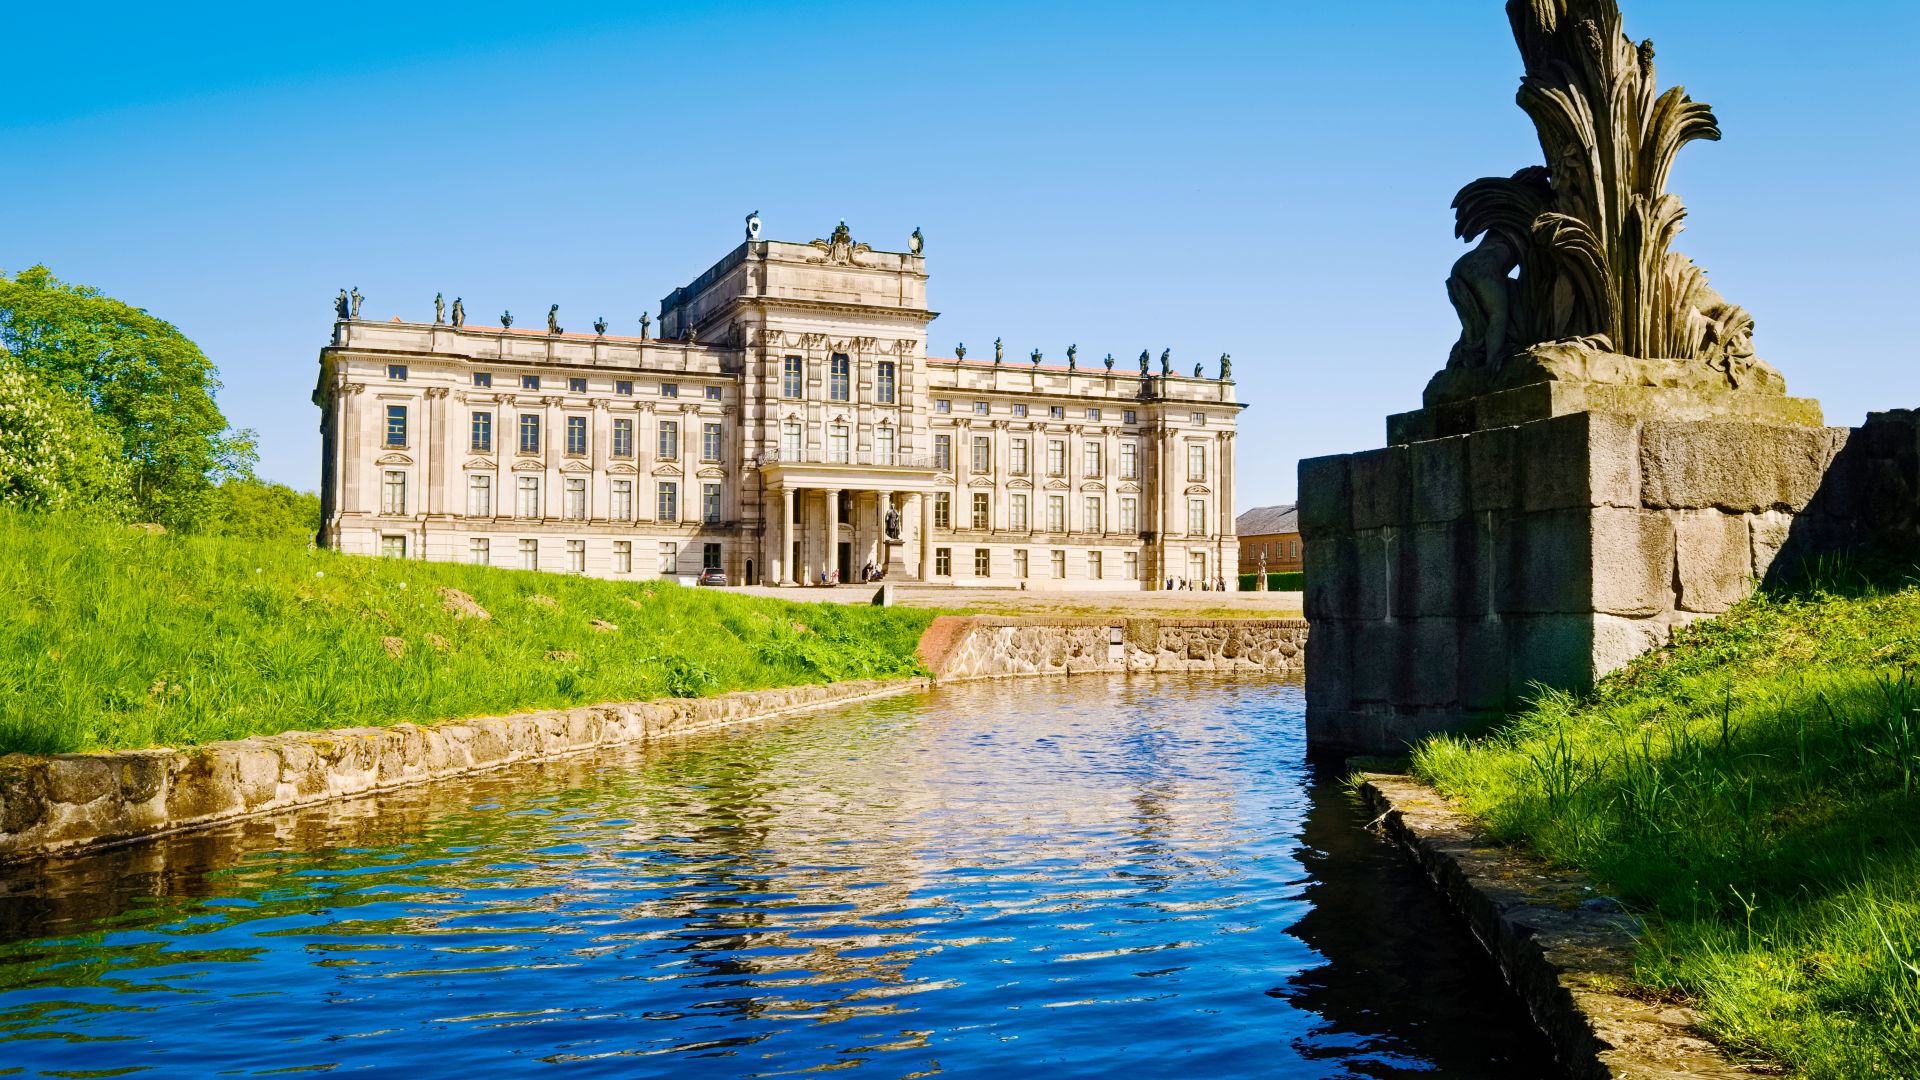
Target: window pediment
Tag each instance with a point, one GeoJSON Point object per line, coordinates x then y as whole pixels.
{"type": "Point", "coordinates": [480, 463]}
{"type": "Point", "coordinates": [1058, 485]}
{"type": "Point", "coordinates": [666, 470]}
{"type": "Point", "coordinates": [394, 459]}
{"type": "Point", "coordinates": [621, 470]}
{"type": "Point", "coordinates": [980, 482]}
{"type": "Point", "coordinates": [529, 466]}
{"type": "Point", "coordinates": [576, 467]}
{"type": "Point", "coordinates": [1020, 485]}
{"type": "Point", "coordinates": [712, 472]}
{"type": "Point", "coordinates": [1129, 488]}
{"type": "Point", "coordinates": [1197, 489]}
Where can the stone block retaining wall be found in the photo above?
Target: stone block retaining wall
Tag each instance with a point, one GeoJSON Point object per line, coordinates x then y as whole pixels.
{"type": "Point", "coordinates": [976, 647]}
{"type": "Point", "coordinates": [71, 801]}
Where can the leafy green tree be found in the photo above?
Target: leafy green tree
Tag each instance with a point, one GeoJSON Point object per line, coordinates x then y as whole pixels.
{"type": "Point", "coordinates": [252, 509]}
{"type": "Point", "coordinates": [145, 380]}
{"type": "Point", "coordinates": [55, 454]}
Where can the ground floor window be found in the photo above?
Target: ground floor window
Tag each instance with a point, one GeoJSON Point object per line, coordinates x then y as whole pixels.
{"type": "Point", "coordinates": [393, 547]}
{"type": "Point", "coordinates": [943, 562]}
{"type": "Point", "coordinates": [576, 556]}
{"type": "Point", "coordinates": [529, 554]}
{"type": "Point", "coordinates": [982, 562]}
{"type": "Point", "coordinates": [479, 551]}
{"type": "Point", "coordinates": [1096, 565]}
{"type": "Point", "coordinates": [1197, 567]}
{"type": "Point", "coordinates": [1133, 566]}
{"type": "Point", "coordinates": [669, 556]}
{"type": "Point", "coordinates": [623, 556]}
{"type": "Point", "coordinates": [710, 556]}
{"type": "Point", "coordinates": [710, 503]}
{"type": "Point", "coordinates": [1059, 561]}
{"type": "Point", "coordinates": [667, 501]}
{"type": "Point", "coordinates": [1020, 562]}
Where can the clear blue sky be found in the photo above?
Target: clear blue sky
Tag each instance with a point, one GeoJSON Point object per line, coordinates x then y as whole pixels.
{"type": "Point", "coordinates": [1268, 179]}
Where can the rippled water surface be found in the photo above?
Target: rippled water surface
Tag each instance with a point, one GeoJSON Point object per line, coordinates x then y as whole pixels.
{"type": "Point", "coordinates": [1075, 877]}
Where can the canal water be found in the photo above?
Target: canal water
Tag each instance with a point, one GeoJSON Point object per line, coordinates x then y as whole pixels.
{"type": "Point", "coordinates": [1097, 876]}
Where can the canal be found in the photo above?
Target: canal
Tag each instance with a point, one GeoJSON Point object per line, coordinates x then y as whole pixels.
{"type": "Point", "coordinates": [1094, 876]}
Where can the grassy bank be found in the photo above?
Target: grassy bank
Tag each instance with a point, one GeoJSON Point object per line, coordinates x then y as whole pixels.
{"type": "Point", "coordinates": [111, 637]}
{"type": "Point", "coordinates": [1755, 790]}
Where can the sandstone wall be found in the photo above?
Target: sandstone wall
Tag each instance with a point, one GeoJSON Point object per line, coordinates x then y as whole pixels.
{"type": "Point", "coordinates": [70, 801]}
{"type": "Point", "coordinates": [972, 647]}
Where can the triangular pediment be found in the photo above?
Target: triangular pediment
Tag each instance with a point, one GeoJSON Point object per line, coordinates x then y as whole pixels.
{"type": "Point", "coordinates": [1129, 488]}
{"type": "Point", "coordinates": [666, 470]}
{"type": "Point", "coordinates": [712, 472]}
{"type": "Point", "coordinates": [1093, 485]}
{"type": "Point", "coordinates": [1020, 485]}
{"type": "Point", "coordinates": [576, 467]}
{"type": "Point", "coordinates": [1057, 485]}
{"type": "Point", "coordinates": [394, 459]}
{"type": "Point", "coordinates": [981, 482]}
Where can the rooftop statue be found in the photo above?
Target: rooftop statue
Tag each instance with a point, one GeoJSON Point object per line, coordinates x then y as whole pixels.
{"type": "Point", "coordinates": [841, 234]}
{"type": "Point", "coordinates": [1109, 361]}
{"type": "Point", "coordinates": [916, 243]}
{"type": "Point", "coordinates": [1571, 278]}
{"type": "Point", "coordinates": [753, 225]}
{"type": "Point", "coordinates": [506, 319]}
{"type": "Point", "coordinates": [999, 351]}
{"type": "Point", "coordinates": [553, 319]}
{"type": "Point", "coordinates": [1036, 358]}
{"type": "Point", "coordinates": [357, 298]}
{"type": "Point", "coordinates": [340, 308]}
{"type": "Point", "coordinates": [459, 313]}
{"type": "Point", "coordinates": [439, 308]}
{"type": "Point", "coordinates": [1226, 367]}
{"type": "Point", "coordinates": [1197, 369]}
{"type": "Point", "coordinates": [1166, 361]}
{"type": "Point", "coordinates": [600, 326]}
{"type": "Point", "coordinates": [1073, 357]}
{"type": "Point", "coordinates": [960, 351]}
{"type": "Point", "coordinates": [1146, 360]}
{"type": "Point", "coordinates": [646, 321]}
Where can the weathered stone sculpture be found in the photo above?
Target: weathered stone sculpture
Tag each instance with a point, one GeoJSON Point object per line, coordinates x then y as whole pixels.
{"type": "Point", "coordinates": [553, 319]}
{"type": "Point", "coordinates": [1166, 361]}
{"type": "Point", "coordinates": [1109, 361]}
{"type": "Point", "coordinates": [1226, 367]}
{"type": "Point", "coordinates": [506, 320]}
{"type": "Point", "coordinates": [1036, 358]}
{"type": "Point", "coordinates": [459, 313]}
{"type": "Point", "coordinates": [1198, 371]}
{"type": "Point", "coordinates": [646, 324]}
{"type": "Point", "coordinates": [753, 225]}
{"type": "Point", "coordinates": [439, 309]}
{"type": "Point", "coordinates": [340, 308]}
{"type": "Point", "coordinates": [1073, 357]}
{"type": "Point", "coordinates": [916, 244]}
{"type": "Point", "coordinates": [1146, 359]}
{"type": "Point", "coordinates": [357, 298]}
{"type": "Point", "coordinates": [999, 351]}
{"type": "Point", "coordinates": [600, 326]}
{"type": "Point", "coordinates": [960, 351]}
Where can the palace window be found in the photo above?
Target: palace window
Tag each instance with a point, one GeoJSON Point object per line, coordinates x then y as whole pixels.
{"type": "Point", "coordinates": [1017, 512]}
{"type": "Point", "coordinates": [981, 408]}
{"type": "Point", "coordinates": [982, 454]}
{"type": "Point", "coordinates": [576, 556]}
{"type": "Point", "coordinates": [479, 495]}
{"type": "Point", "coordinates": [1198, 419]}
{"type": "Point", "coordinates": [1092, 520]}
{"type": "Point", "coordinates": [529, 554]}
{"type": "Point", "coordinates": [623, 438]}
{"type": "Point", "coordinates": [713, 393]}
{"type": "Point", "coordinates": [1056, 457]}
{"type": "Point", "coordinates": [1056, 513]}
{"type": "Point", "coordinates": [1129, 515]}
{"type": "Point", "coordinates": [1092, 458]}
{"type": "Point", "coordinates": [483, 380]}
{"type": "Point", "coordinates": [1096, 565]}
{"type": "Point", "coordinates": [576, 386]}
{"type": "Point", "coordinates": [529, 382]}
{"type": "Point", "coordinates": [393, 547]}
{"type": "Point", "coordinates": [1132, 565]}
{"type": "Point", "coordinates": [710, 556]}
{"type": "Point", "coordinates": [396, 373]}
{"type": "Point", "coordinates": [668, 448]}
{"type": "Point", "coordinates": [670, 389]}
{"type": "Point", "coordinates": [1019, 409]}
{"type": "Point", "coordinates": [623, 556]}
{"type": "Point", "coordinates": [529, 433]}
{"type": "Point", "coordinates": [883, 389]}
{"type": "Point", "coordinates": [710, 442]}
{"type": "Point", "coordinates": [575, 498]}
{"type": "Point", "coordinates": [1017, 457]}
{"type": "Point", "coordinates": [667, 501]}
{"type": "Point", "coordinates": [479, 551]}
{"type": "Point", "coordinates": [943, 452]}
{"type": "Point", "coordinates": [397, 425]}
{"type": "Point", "coordinates": [1020, 563]}
{"type": "Point", "coordinates": [982, 562]}
{"type": "Point", "coordinates": [1127, 416]}
{"type": "Point", "coordinates": [840, 378]}
{"type": "Point", "coordinates": [623, 387]}
{"type": "Point", "coordinates": [942, 405]}
{"type": "Point", "coordinates": [576, 436]}
{"type": "Point", "coordinates": [1057, 412]}
{"type": "Point", "coordinates": [710, 503]}
{"type": "Point", "coordinates": [393, 493]}
{"type": "Point", "coordinates": [837, 444]}
{"type": "Point", "coordinates": [1197, 565]}
{"type": "Point", "coordinates": [790, 441]}
{"type": "Point", "coordinates": [528, 495]}
{"type": "Point", "coordinates": [669, 557]}
{"type": "Point", "coordinates": [1196, 517]}
{"type": "Point", "coordinates": [883, 447]}
{"type": "Point", "coordinates": [1129, 461]}
{"type": "Point", "coordinates": [792, 377]}
{"type": "Point", "coordinates": [480, 439]}
{"type": "Point", "coordinates": [1058, 559]}
{"type": "Point", "coordinates": [1093, 414]}
{"type": "Point", "coordinates": [943, 562]}
{"type": "Point", "coordinates": [622, 509]}
{"type": "Point", "coordinates": [1196, 462]}
{"type": "Point", "coordinates": [943, 510]}
{"type": "Point", "coordinates": [980, 512]}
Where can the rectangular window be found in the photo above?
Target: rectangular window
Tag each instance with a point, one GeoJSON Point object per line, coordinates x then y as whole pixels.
{"type": "Point", "coordinates": [576, 436]}
{"type": "Point", "coordinates": [1093, 414]}
{"type": "Point", "coordinates": [790, 441]}
{"type": "Point", "coordinates": [529, 554]}
{"type": "Point", "coordinates": [1196, 517]}
{"type": "Point", "coordinates": [838, 446]}
{"type": "Point", "coordinates": [943, 510]}
{"type": "Point", "coordinates": [667, 501]}
{"type": "Point", "coordinates": [397, 372]}
{"type": "Point", "coordinates": [1019, 410]}
{"type": "Point", "coordinates": [576, 556]}
{"type": "Point", "coordinates": [982, 562]}
{"type": "Point", "coordinates": [397, 425]}
{"type": "Point", "coordinates": [623, 438]}
{"type": "Point", "coordinates": [840, 378]}
{"type": "Point", "coordinates": [1092, 458]}
{"type": "Point", "coordinates": [1058, 559]}
{"type": "Point", "coordinates": [1129, 461]}
{"type": "Point", "coordinates": [709, 556]}
{"type": "Point", "coordinates": [1127, 416]}
{"type": "Point", "coordinates": [980, 513]}
{"type": "Point", "coordinates": [1196, 462]}
{"type": "Point", "coordinates": [792, 377]}
{"type": "Point", "coordinates": [479, 551]}
{"type": "Point", "coordinates": [1017, 512]}
{"type": "Point", "coordinates": [483, 380]}
{"type": "Point", "coordinates": [1056, 457]}
{"type": "Point", "coordinates": [1197, 565]}
{"type": "Point", "coordinates": [576, 498]}
{"type": "Point", "coordinates": [669, 557]}
{"type": "Point", "coordinates": [623, 387]}
{"type": "Point", "coordinates": [622, 509]}
{"type": "Point", "coordinates": [980, 408]}
{"type": "Point", "coordinates": [942, 405]}
{"type": "Point", "coordinates": [1092, 520]}
{"type": "Point", "coordinates": [479, 495]}
{"type": "Point", "coordinates": [943, 562]}
{"type": "Point", "coordinates": [1199, 419]}
{"type": "Point", "coordinates": [667, 446]}
{"type": "Point", "coordinates": [528, 505]}
{"type": "Point", "coordinates": [1057, 412]}
{"type": "Point", "coordinates": [883, 448]}
{"type": "Point", "coordinates": [393, 493]}
{"type": "Point", "coordinates": [529, 382]}
{"type": "Point", "coordinates": [982, 454]}
{"type": "Point", "coordinates": [943, 452]}
{"type": "Point", "coordinates": [883, 383]}
{"type": "Point", "coordinates": [623, 556]}
{"type": "Point", "coordinates": [1096, 565]}
{"type": "Point", "coordinates": [529, 433]}
{"type": "Point", "coordinates": [710, 442]}
{"type": "Point", "coordinates": [713, 393]}
{"type": "Point", "coordinates": [576, 386]}
{"type": "Point", "coordinates": [1020, 563]}
{"type": "Point", "coordinates": [710, 503]}
{"type": "Point", "coordinates": [1129, 515]}
{"type": "Point", "coordinates": [1132, 561]}
{"type": "Point", "coordinates": [1017, 457]}
{"type": "Point", "coordinates": [480, 433]}
{"type": "Point", "coordinates": [670, 389]}
{"type": "Point", "coordinates": [1056, 513]}
{"type": "Point", "coordinates": [393, 547]}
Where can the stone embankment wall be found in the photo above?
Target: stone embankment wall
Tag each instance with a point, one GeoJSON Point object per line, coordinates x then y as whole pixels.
{"type": "Point", "coordinates": [70, 801]}
{"type": "Point", "coordinates": [976, 647]}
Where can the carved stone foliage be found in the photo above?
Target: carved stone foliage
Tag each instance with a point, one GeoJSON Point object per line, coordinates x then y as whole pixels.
{"type": "Point", "coordinates": [1572, 276]}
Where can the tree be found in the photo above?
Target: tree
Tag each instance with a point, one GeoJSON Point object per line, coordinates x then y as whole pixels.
{"type": "Point", "coordinates": [55, 454]}
{"type": "Point", "coordinates": [251, 509]}
{"type": "Point", "coordinates": [148, 384]}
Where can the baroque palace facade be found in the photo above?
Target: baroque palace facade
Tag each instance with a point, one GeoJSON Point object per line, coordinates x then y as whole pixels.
{"type": "Point", "coordinates": [786, 424]}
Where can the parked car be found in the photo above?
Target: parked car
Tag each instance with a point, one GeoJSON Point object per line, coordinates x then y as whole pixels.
{"type": "Point", "coordinates": [713, 575]}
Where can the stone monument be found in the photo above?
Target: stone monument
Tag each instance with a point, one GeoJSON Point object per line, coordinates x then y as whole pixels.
{"type": "Point", "coordinates": [1602, 459]}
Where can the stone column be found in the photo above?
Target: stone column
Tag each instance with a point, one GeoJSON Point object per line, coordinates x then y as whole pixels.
{"type": "Point", "coordinates": [599, 490]}
{"type": "Point", "coordinates": [552, 445]}
{"type": "Point", "coordinates": [352, 454]}
{"type": "Point", "coordinates": [435, 442]}
{"type": "Point", "coordinates": [831, 559]}
{"type": "Point", "coordinates": [783, 570]}
{"type": "Point", "coordinates": [926, 536]}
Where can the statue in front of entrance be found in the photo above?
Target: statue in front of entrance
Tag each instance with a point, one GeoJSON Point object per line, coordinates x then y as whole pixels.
{"type": "Point", "coordinates": [893, 523]}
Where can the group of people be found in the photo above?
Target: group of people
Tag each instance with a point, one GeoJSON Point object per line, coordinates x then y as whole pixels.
{"type": "Point", "coordinates": [1218, 584]}
{"type": "Point", "coordinates": [829, 575]}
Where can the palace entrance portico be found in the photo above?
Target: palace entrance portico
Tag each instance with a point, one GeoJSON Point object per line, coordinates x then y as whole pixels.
{"type": "Point", "coordinates": [832, 516]}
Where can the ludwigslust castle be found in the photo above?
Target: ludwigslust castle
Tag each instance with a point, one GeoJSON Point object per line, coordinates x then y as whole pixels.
{"type": "Point", "coordinates": [785, 425]}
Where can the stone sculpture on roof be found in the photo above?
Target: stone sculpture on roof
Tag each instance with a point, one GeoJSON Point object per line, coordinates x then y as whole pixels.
{"type": "Point", "coordinates": [439, 308]}
{"type": "Point", "coordinates": [1073, 357]}
{"type": "Point", "coordinates": [340, 309]}
{"type": "Point", "coordinates": [1166, 361]}
{"type": "Point", "coordinates": [357, 298]}
{"type": "Point", "coordinates": [753, 225]}
{"type": "Point", "coordinates": [916, 243]}
{"type": "Point", "coordinates": [459, 313]}
{"type": "Point", "coordinates": [553, 319]}
{"type": "Point", "coordinates": [1226, 367]}
{"type": "Point", "coordinates": [1146, 361]}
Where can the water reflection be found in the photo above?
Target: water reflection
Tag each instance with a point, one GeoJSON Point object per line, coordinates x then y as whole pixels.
{"type": "Point", "coordinates": [1060, 877]}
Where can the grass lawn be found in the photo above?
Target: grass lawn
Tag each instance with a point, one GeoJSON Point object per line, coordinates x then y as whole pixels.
{"type": "Point", "coordinates": [111, 637]}
{"type": "Point", "coordinates": [1755, 792]}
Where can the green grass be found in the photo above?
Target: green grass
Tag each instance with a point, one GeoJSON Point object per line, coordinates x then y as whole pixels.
{"type": "Point", "coordinates": [1291, 581]}
{"type": "Point", "coordinates": [111, 637]}
{"type": "Point", "coordinates": [1754, 791]}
